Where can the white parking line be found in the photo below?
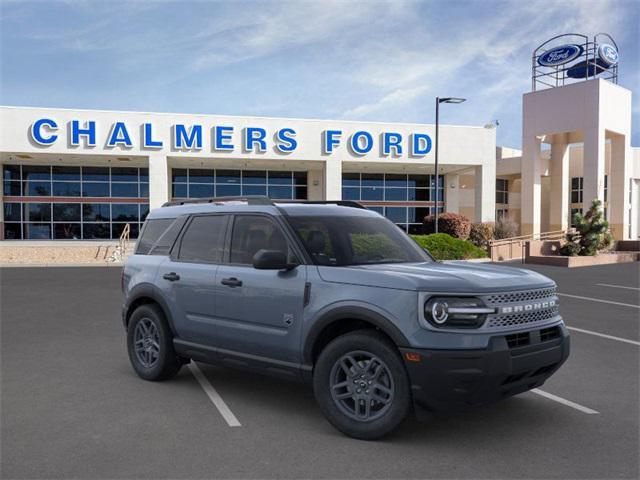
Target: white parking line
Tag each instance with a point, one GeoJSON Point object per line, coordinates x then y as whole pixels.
{"type": "Point", "coordinates": [566, 402]}
{"type": "Point", "coordinates": [214, 396]}
{"type": "Point", "coordinates": [599, 300]}
{"type": "Point", "coordinates": [610, 337]}
{"type": "Point", "coordinates": [616, 286]}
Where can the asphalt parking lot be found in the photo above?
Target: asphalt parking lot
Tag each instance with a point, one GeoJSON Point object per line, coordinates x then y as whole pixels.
{"type": "Point", "coordinates": [71, 407]}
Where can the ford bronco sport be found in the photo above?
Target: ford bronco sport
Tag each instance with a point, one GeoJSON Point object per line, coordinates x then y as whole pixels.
{"type": "Point", "coordinates": [337, 295]}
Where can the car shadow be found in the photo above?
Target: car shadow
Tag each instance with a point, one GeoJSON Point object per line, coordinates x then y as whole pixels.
{"type": "Point", "coordinates": [513, 419]}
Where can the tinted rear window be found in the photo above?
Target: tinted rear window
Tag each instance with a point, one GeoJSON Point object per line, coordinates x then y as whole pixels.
{"type": "Point", "coordinates": [151, 232]}
{"type": "Point", "coordinates": [168, 238]}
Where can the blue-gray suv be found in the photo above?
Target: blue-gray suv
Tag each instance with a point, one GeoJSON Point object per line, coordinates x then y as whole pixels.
{"type": "Point", "coordinates": [338, 296]}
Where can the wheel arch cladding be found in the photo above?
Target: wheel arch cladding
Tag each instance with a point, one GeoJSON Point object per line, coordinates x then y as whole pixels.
{"type": "Point", "coordinates": [146, 295]}
{"type": "Point", "coordinates": [345, 319]}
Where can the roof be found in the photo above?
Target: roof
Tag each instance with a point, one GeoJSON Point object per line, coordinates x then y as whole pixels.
{"type": "Point", "coordinates": [258, 205]}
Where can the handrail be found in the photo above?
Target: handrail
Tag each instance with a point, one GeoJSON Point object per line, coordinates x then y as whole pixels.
{"type": "Point", "coordinates": [531, 237]}
{"type": "Point", "coordinates": [123, 243]}
{"type": "Point", "coordinates": [516, 247]}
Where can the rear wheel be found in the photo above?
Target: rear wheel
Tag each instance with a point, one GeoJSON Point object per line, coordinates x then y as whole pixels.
{"type": "Point", "coordinates": [150, 344]}
{"type": "Point", "coordinates": [361, 385]}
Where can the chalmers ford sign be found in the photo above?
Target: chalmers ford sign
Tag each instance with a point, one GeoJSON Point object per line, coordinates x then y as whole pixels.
{"type": "Point", "coordinates": [221, 138]}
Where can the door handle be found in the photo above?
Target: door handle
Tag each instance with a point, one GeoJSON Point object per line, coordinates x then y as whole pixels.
{"type": "Point", "coordinates": [231, 282]}
{"type": "Point", "coordinates": [172, 277]}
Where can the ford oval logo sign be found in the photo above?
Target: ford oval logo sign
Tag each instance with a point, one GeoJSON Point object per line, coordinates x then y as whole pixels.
{"type": "Point", "coordinates": [608, 54]}
{"type": "Point", "coordinates": [560, 55]}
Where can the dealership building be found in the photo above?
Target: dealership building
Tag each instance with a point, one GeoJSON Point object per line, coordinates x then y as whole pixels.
{"type": "Point", "coordinates": [85, 174]}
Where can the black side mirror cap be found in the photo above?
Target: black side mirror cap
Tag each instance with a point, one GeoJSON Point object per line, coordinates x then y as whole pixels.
{"type": "Point", "coordinates": [272, 260]}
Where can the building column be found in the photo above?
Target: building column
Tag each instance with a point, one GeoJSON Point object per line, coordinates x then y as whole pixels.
{"type": "Point", "coordinates": [593, 164]}
{"type": "Point", "coordinates": [333, 179]}
{"type": "Point", "coordinates": [485, 192]}
{"type": "Point", "coordinates": [531, 186]}
{"type": "Point", "coordinates": [315, 190]}
{"type": "Point", "coordinates": [618, 190]}
{"type": "Point", "coordinates": [451, 194]}
{"type": "Point", "coordinates": [559, 195]}
{"type": "Point", "coordinates": [158, 180]}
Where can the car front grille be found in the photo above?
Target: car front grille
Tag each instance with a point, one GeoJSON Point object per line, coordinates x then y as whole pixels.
{"type": "Point", "coordinates": [523, 317]}
{"type": "Point", "coordinates": [517, 297]}
{"type": "Point", "coordinates": [526, 318]}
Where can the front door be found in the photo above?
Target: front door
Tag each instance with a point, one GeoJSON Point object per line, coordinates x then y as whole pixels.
{"type": "Point", "coordinates": [259, 312]}
{"type": "Point", "coordinates": [189, 277]}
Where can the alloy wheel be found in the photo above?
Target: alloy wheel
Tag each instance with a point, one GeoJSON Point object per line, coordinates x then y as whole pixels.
{"type": "Point", "coordinates": [362, 386]}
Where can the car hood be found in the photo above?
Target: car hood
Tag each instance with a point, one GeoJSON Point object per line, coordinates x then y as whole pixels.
{"type": "Point", "coordinates": [437, 277]}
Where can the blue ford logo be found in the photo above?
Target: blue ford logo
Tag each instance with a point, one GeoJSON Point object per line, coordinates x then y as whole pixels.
{"type": "Point", "coordinates": [608, 54]}
{"type": "Point", "coordinates": [560, 55]}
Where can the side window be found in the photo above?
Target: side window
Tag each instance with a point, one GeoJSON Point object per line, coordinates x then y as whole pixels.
{"type": "Point", "coordinates": [203, 241]}
{"type": "Point", "coordinates": [252, 233]}
{"type": "Point", "coordinates": [153, 229]}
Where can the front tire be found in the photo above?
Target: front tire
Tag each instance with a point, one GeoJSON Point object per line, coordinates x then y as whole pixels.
{"type": "Point", "coordinates": [150, 344]}
{"type": "Point", "coordinates": [361, 385]}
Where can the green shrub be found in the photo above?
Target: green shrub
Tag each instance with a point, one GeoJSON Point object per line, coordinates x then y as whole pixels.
{"type": "Point", "coordinates": [454, 224]}
{"type": "Point", "coordinates": [592, 233]}
{"type": "Point", "coordinates": [445, 247]}
{"type": "Point", "coordinates": [481, 234]}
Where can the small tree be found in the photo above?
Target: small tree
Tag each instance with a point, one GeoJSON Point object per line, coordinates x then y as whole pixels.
{"type": "Point", "coordinates": [505, 227]}
{"type": "Point", "coordinates": [591, 235]}
{"type": "Point", "coordinates": [482, 233]}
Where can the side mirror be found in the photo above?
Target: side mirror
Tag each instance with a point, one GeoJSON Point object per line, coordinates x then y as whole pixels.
{"type": "Point", "coordinates": [271, 260]}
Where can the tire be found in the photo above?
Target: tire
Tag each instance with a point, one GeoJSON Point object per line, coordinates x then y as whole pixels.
{"type": "Point", "coordinates": [351, 403]}
{"type": "Point", "coordinates": [156, 358]}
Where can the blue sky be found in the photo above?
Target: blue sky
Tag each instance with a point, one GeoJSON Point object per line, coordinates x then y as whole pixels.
{"type": "Point", "coordinates": [368, 60]}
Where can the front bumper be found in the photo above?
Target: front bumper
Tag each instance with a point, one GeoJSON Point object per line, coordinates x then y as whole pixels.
{"type": "Point", "coordinates": [452, 379]}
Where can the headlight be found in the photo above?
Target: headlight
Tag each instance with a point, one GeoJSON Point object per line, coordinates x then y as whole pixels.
{"type": "Point", "coordinates": [456, 312]}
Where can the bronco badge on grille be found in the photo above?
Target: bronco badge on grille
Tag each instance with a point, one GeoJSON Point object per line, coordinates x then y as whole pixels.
{"type": "Point", "coordinates": [527, 307]}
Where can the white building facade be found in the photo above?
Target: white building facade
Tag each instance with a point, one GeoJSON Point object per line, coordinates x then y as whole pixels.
{"type": "Point", "coordinates": [84, 174]}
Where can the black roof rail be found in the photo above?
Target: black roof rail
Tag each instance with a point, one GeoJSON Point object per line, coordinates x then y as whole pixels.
{"type": "Point", "coordinates": [249, 199]}
{"type": "Point", "coordinates": [262, 200]}
{"type": "Point", "coordinates": [341, 203]}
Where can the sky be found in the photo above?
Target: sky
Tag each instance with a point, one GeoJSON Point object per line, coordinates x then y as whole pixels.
{"type": "Point", "coordinates": [345, 60]}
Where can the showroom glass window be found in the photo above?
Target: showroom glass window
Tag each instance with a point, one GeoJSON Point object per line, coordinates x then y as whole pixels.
{"type": "Point", "coordinates": [502, 190]}
{"type": "Point", "coordinates": [202, 183]}
{"type": "Point", "coordinates": [413, 197]}
{"type": "Point", "coordinates": [576, 189]}
{"type": "Point", "coordinates": [73, 202]}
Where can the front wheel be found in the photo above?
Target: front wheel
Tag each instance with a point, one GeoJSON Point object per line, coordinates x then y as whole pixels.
{"type": "Point", "coordinates": [361, 385]}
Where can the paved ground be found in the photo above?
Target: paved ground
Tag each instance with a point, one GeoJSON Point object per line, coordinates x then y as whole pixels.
{"type": "Point", "coordinates": [72, 407]}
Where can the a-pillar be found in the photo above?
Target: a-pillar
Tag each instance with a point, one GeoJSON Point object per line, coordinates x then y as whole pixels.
{"type": "Point", "coordinates": [593, 167]}
{"type": "Point", "coordinates": [158, 180]}
{"type": "Point", "coordinates": [485, 192]}
{"type": "Point", "coordinates": [618, 188]}
{"type": "Point", "coordinates": [559, 196]}
{"type": "Point", "coordinates": [531, 186]}
{"type": "Point", "coordinates": [333, 179]}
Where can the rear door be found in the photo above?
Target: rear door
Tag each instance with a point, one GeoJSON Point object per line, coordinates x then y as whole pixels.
{"type": "Point", "coordinates": [259, 312]}
{"type": "Point", "coordinates": [188, 277]}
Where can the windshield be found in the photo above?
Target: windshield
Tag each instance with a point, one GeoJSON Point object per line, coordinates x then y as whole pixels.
{"type": "Point", "coordinates": [356, 240]}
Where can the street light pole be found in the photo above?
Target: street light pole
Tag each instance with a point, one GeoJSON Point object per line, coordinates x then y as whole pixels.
{"type": "Point", "coordinates": [438, 102]}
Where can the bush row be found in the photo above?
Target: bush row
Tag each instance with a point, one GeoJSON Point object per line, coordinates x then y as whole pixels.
{"type": "Point", "coordinates": [445, 247]}
{"type": "Point", "coordinates": [480, 234]}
